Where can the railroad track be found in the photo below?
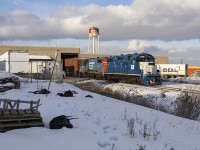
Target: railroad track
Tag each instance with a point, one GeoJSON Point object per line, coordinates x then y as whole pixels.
{"type": "Point", "coordinates": [178, 89]}
{"type": "Point", "coordinates": [184, 82]}
{"type": "Point", "coordinates": [72, 80]}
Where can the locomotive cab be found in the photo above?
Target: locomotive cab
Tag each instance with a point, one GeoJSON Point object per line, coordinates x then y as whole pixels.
{"type": "Point", "coordinates": [150, 73]}
{"type": "Point", "coordinates": [143, 65]}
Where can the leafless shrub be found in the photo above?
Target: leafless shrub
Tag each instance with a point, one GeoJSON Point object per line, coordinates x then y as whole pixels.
{"type": "Point", "coordinates": [155, 132]}
{"type": "Point", "coordinates": [135, 97]}
{"type": "Point", "coordinates": [141, 147]}
{"type": "Point", "coordinates": [130, 127]}
{"type": "Point", "coordinates": [113, 147]}
{"type": "Point", "coordinates": [149, 131]}
{"type": "Point", "coordinates": [188, 106]}
{"type": "Point", "coordinates": [146, 131]}
{"type": "Point", "coordinates": [125, 114]}
{"type": "Point", "coordinates": [166, 145]}
{"type": "Point", "coordinates": [162, 94]}
{"type": "Point", "coordinates": [93, 88]}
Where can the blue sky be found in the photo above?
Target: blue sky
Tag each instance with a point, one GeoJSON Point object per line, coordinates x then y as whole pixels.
{"type": "Point", "coordinates": [164, 27]}
{"type": "Point", "coordinates": [44, 7]}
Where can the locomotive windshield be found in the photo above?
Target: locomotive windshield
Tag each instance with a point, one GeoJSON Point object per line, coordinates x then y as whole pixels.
{"type": "Point", "coordinates": [110, 60]}
{"type": "Point", "coordinates": [146, 58]}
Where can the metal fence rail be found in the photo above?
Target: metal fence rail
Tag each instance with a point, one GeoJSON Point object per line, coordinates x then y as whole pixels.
{"type": "Point", "coordinates": [40, 70]}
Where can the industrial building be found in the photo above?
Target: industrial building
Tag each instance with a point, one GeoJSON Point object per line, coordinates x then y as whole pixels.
{"type": "Point", "coordinates": [14, 61]}
{"type": "Point", "coordinates": [63, 52]}
{"type": "Point", "coordinates": [69, 58]}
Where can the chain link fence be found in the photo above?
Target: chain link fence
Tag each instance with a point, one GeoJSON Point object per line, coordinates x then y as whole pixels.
{"type": "Point", "coordinates": [41, 70]}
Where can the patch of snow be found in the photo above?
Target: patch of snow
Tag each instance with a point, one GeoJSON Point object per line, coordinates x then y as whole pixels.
{"type": "Point", "coordinates": [4, 74]}
{"type": "Point", "coordinates": [102, 124]}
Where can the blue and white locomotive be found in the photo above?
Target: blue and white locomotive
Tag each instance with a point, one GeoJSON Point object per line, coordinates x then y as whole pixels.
{"type": "Point", "coordinates": [137, 68]}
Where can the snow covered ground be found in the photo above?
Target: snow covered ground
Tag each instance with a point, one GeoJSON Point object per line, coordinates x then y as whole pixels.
{"type": "Point", "coordinates": [104, 123]}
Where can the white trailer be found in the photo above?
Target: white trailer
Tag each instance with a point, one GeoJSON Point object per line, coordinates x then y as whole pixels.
{"type": "Point", "coordinates": [14, 62]}
{"type": "Point", "coordinates": [173, 70]}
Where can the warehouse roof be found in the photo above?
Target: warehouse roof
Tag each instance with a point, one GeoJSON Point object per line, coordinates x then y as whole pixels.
{"type": "Point", "coordinates": [39, 58]}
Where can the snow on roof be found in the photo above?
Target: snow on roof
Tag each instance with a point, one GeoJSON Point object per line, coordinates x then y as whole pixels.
{"type": "Point", "coordinates": [39, 57]}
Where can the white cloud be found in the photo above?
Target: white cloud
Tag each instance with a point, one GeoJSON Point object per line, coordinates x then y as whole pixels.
{"type": "Point", "coordinates": [166, 20]}
{"type": "Point", "coordinates": [156, 19]}
{"type": "Point", "coordinates": [189, 55]}
{"type": "Point", "coordinates": [191, 58]}
{"type": "Point", "coordinates": [19, 18]}
{"type": "Point", "coordinates": [138, 45]}
{"type": "Point", "coordinates": [177, 50]}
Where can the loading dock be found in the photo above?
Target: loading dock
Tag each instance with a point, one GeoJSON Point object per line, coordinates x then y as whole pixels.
{"type": "Point", "coordinates": [65, 56]}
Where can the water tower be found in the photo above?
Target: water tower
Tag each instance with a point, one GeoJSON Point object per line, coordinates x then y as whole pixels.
{"type": "Point", "coordinates": [93, 45]}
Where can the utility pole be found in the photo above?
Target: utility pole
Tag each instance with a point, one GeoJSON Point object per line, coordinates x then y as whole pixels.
{"type": "Point", "coordinates": [52, 71]}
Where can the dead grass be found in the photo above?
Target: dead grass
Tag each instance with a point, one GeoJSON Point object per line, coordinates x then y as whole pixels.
{"type": "Point", "coordinates": [187, 105]}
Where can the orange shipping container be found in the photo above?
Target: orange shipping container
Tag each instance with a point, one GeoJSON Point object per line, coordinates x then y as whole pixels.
{"type": "Point", "coordinates": [192, 69]}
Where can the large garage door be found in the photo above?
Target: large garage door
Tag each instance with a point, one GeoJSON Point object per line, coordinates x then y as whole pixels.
{"type": "Point", "coordinates": [66, 56]}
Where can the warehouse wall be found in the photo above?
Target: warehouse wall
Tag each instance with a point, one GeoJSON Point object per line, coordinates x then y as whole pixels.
{"type": "Point", "coordinates": [39, 50]}
{"type": "Point", "coordinates": [162, 59]}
